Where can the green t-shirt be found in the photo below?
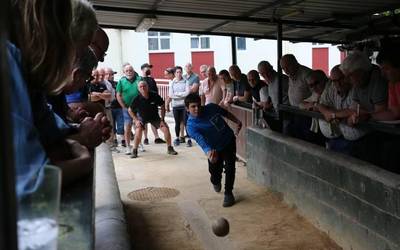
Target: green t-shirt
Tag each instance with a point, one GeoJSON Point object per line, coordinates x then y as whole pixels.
{"type": "Point", "coordinates": [128, 89]}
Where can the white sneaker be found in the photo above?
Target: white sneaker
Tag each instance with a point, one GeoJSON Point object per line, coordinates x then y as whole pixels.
{"type": "Point", "coordinates": [128, 150]}
{"type": "Point", "coordinates": [141, 148]}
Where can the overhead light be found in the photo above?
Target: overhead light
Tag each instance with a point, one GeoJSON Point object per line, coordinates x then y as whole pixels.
{"type": "Point", "coordinates": [146, 23]}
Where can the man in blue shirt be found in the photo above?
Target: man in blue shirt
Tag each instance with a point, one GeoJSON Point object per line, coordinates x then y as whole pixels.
{"type": "Point", "coordinates": [207, 126]}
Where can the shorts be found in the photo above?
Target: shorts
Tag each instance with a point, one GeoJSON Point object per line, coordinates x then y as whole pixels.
{"type": "Point", "coordinates": [155, 123]}
{"type": "Point", "coordinates": [127, 118]}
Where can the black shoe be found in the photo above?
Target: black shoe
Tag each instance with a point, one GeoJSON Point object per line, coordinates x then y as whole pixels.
{"type": "Point", "coordinates": [217, 188]}
{"type": "Point", "coordinates": [123, 143]}
{"type": "Point", "coordinates": [229, 200]}
{"type": "Point", "coordinates": [134, 153]}
{"type": "Point", "coordinates": [146, 141]}
{"type": "Point", "coordinates": [182, 139]}
{"type": "Point", "coordinates": [159, 141]}
{"type": "Point", "coordinates": [171, 151]}
{"type": "Point", "coordinates": [189, 143]}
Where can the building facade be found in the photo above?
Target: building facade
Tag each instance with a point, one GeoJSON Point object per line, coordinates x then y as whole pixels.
{"type": "Point", "coordinates": [164, 49]}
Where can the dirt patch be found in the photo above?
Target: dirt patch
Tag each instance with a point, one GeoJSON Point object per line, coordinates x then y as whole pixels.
{"type": "Point", "coordinates": [159, 226]}
{"type": "Point", "coordinates": [263, 221]}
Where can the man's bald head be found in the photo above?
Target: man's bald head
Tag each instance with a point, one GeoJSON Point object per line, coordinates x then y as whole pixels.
{"type": "Point", "coordinates": [289, 64]}
{"type": "Point", "coordinates": [100, 44]}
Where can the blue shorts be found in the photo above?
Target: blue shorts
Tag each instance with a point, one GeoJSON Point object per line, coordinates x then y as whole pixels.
{"type": "Point", "coordinates": [127, 118]}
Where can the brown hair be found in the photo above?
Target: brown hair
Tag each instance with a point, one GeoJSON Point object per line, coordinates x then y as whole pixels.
{"type": "Point", "coordinates": [45, 42]}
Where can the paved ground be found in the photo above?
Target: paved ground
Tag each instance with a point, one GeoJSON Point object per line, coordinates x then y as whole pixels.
{"type": "Point", "coordinates": [259, 219]}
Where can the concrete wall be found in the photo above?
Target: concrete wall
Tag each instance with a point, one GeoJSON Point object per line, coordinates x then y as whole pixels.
{"type": "Point", "coordinates": [356, 203]}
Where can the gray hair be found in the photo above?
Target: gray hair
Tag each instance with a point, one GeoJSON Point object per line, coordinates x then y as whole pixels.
{"type": "Point", "coordinates": [84, 21]}
{"type": "Point", "coordinates": [125, 64]}
{"type": "Point", "coordinates": [203, 67]}
{"type": "Point", "coordinates": [355, 61]}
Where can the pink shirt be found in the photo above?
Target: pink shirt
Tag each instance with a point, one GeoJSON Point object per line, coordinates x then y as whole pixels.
{"type": "Point", "coordinates": [394, 95]}
{"type": "Point", "coordinates": [213, 93]}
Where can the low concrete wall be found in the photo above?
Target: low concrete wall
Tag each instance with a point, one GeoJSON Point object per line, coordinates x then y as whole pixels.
{"type": "Point", "coordinates": [356, 203]}
{"type": "Point", "coordinates": [110, 225]}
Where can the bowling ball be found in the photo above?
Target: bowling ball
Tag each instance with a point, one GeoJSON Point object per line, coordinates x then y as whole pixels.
{"type": "Point", "coordinates": [220, 227]}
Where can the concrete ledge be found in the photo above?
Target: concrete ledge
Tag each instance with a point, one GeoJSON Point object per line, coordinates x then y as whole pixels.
{"type": "Point", "coordinates": [356, 203]}
{"type": "Point", "coordinates": [110, 225]}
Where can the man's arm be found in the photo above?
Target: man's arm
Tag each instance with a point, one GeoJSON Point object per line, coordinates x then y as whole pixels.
{"type": "Point", "coordinates": [120, 100]}
{"type": "Point", "coordinates": [162, 107]}
{"type": "Point", "coordinates": [194, 88]}
{"type": "Point", "coordinates": [233, 118]}
{"type": "Point", "coordinates": [387, 115]}
{"type": "Point", "coordinates": [245, 97]}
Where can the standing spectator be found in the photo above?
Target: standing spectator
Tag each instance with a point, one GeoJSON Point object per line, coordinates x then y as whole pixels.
{"type": "Point", "coordinates": [144, 109]}
{"type": "Point", "coordinates": [192, 79]}
{"type": "Point", "coordinates": [178, 90]}
{"type": "Point", "coordinates": [211, 88]}
{"type": "Point", "coordinates": [269, 95]}
{"type": "Point", "coordinates": [127, 90]}
{"type": "Point", "coordinates": [227, 89]}
{"type": "Point", "coordinates": [98, 92]}
{"type": "Point", "coordinates": [194, 84]}
{"type": "Point", "coordinates": [241, 85]}
{"type": "Point", "coordinates": [255, 84]}
{"type": "Point", "coordinates": [116, 110]}
{"type": "Point", "coordinates": [203, 72]}
{"type": "Point", "coordinates": [316, 81]}
{"type": "Point", "coordinates": [298, 91]}
{"type": "Point", "coordinates": [369, 96]}
{"type": "Point", "coordinates": [152, 85]}
{"type": "Point", "coordinates": [334, 101]}
{"type": "Point", "coordinates": [207, 126]}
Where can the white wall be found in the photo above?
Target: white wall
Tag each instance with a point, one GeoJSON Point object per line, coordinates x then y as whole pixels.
{"type": "Point", "coordinates": [132, 47]}
{"type": "Point", "coordinates": [180, 45]}
{"type": "Point", "coordinates": [222, 52]}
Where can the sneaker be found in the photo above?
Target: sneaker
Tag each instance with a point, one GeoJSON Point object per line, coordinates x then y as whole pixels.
{"type": "Point", "coordinates": [114, 149]}
{"type": "Point", "coordinates": [176, 142]}
{"type": "Point", "coordinates": [189, 143]}
{"type": "Point", "coordinates": [159, 141]}
{"type": "Point", "coordinates": [229, 200]}
{"type": "Point", "coordinates": [182, 140]}
{"type": "Point", "coordinates": [134, 153]}
{"type": "Point", "coordinates": [123, 144]}
{"type": "Point", "coordinates": [146, 141]}
{"type": "Point", "coordinates": [141, 147]}
{"type": "Point", "coordinates": [128, 150]}
{"type": "Point", "coordinates": [217, 188]}
{"type": "Point", "coordinates": [171, 151]}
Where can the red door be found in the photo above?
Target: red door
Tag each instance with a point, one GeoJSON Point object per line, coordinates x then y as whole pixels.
{"type": "Point", "coordinates": [160, 62]}
{"type": "Point", "coordinates": [200, 58]}
{"type": "Point", "coordinates": [320, 59]}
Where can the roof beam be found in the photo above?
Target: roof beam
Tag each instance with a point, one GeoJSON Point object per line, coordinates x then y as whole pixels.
{"type": "Point", "coordinates": [217, 17]}
{"type": "Point", "coordinates": [223, 34]}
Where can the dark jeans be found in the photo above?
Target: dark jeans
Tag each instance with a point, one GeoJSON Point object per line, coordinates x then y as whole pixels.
{"type": "Point", "coordinates": [179, 116]}
{"type": "Point", "coordinates": [226, 159]}
{"type": "Point", "coordinates": [118, 120]}
{"type": "Point", "coordinates": [340, 145]}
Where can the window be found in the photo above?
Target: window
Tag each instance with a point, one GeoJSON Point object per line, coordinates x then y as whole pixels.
{"type": "Point", "coordinates": [199, 42]}
{"type": "Point", "coordinates": [159, 40]}
{"type": "Point", "coordinates": [241, 43]}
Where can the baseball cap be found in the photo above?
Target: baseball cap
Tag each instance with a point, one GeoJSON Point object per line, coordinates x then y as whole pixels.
{"type": "Point", "coordinates": [146, 65]}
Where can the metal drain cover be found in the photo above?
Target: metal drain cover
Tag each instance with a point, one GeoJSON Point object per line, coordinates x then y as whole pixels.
{"type": "Point", "coordinates": [153, 193]}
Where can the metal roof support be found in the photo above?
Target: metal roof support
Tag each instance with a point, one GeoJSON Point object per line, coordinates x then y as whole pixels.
{"type": "Point", "coordinates": [8, 209]}
{"type": "Point", "coordinates": [233, 45]}
{"type": "Point", "coordinates": [219, 17]}
{"type": "Point", "coordinates": [279, 69]}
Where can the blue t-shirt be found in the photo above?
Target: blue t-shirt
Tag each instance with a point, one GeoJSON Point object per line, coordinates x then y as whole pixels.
{"type": "Point", "coordinates": [209, 129]}
{"type": "Point", "coordinates": [29, 155]}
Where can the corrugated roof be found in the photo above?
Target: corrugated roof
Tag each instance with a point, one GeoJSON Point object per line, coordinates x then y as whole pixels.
{"type": "Point", "coordinates": [302, 20]}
